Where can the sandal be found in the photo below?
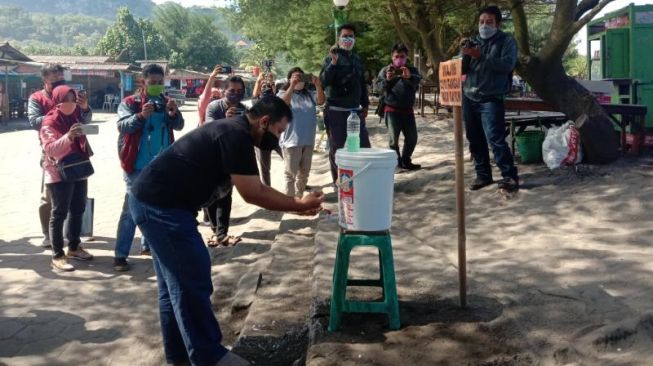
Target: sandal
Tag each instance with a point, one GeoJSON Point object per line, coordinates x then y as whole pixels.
{"type": "Point", "coordinates": [212, 241]}
{"type": "Point", "coordinates": [229, 240]}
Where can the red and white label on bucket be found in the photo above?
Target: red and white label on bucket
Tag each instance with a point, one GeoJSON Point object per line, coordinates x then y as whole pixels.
{"type": "Point", "coordinates": [346, 197]}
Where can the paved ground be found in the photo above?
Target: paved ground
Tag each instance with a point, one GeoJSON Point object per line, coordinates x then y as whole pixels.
{"type": "Point", "coordinates": [95, 315]}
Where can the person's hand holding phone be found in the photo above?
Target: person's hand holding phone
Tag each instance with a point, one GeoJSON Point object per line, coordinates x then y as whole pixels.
{"type": "Point", "coordinates": [405, 72]}
{"type": "Point", "coordinates": [231, 112]}
{"type": "Point", "coordinates": [171, 107]}
{"type": "Point", "coordinates": [333, 52]}
{"type": "Point", "coordinates": [82, 99]}
{"type": "Point", "coordinates": [75, 131]}
{"type": "Point", "coordinates": [148, 109]}
{"type": "Point", "coordinates": [390, 73]}
{"type": "Point", "coordinates": [216, 70]}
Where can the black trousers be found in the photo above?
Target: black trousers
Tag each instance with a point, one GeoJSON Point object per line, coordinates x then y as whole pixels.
{"type": "Point", "coordinates": [219, 213]}
{"type": "Point", "coordinates": [68, 205]}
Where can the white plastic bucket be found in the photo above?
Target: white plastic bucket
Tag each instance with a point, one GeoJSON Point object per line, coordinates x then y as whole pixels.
{"type": "Point", "coordinates": [366, 188]}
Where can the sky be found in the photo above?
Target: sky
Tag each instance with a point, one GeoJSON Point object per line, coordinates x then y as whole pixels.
{"type": "Point", "coordinates": [205, 3]}
{"type": "Point", "coordinates": [615, 5]}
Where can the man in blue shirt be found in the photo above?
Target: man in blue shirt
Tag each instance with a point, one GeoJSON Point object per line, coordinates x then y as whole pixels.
{"type": "Point", "coordinates": [145, 122]}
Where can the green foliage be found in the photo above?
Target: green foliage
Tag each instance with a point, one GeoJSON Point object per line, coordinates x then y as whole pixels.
{"type": "Point", "coordinates": [302, 31]}
{"type": "Point", "coordinates": [193, 38]}
{"type": "Point", "coordinates": [125, 39]}
{"type": "Point", "coordinates": [40, 33]}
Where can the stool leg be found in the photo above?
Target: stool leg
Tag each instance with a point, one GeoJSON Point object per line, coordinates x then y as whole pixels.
{"type": "Point", "coordinates": [389, 284]}
{"type": "Point", "coordinates": [381, 275]}
{"type": "Point", "coordinates": [339, 286]}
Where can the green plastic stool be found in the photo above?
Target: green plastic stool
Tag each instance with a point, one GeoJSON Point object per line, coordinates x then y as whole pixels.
{"type": "Point", "coordinates": [339, 303]}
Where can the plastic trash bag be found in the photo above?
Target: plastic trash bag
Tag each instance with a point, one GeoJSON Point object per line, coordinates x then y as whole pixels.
{"type": "Point", "coordinates": [562, 146]}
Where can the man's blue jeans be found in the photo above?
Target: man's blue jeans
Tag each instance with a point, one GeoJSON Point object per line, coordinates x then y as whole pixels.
{"type": "Point", "coordinates": [183, 271]}
{"type": "Point", "coordinates": [126, 225]}
{"type": "Point", "coordinates": [485, 122]}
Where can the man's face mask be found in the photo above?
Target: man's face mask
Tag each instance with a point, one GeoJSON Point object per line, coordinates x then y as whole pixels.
{"type": "Point", "coordinates": [399, 61]}
{"type": "Point", "coordinates": [269, 141]}
{"type": "Point", "coordinates": [486, 31]}
{"type": "Point", "coordinates": [347, 43]}
{"type": "Point", "coordinates": [155, 90]}
{"type": "Point", "coordinates": [234, 97]}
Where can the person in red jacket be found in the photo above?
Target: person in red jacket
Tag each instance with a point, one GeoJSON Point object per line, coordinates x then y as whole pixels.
{"type": "Point", "coordinates": [146, 122]}
{"type": "Point", "coordinates": [61, 135]}
{"type": "Point", "coordinates": [40, 103]}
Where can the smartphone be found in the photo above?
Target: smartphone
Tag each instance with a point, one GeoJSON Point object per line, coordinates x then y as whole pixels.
{"type": "Point", "coordinates": [307, 78]}
{"type": "Point", "coordinates": [240, 111]}
{"type": "Point", "coordinates": [91, 129]}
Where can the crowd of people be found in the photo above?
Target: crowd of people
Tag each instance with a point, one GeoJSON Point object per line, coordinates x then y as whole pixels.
{"type": "Point", "coordinates": [168, 182]}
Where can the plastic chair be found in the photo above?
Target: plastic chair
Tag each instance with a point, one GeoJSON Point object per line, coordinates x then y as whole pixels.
{"type": "Point", "coordinates": [115, 103]}
{"type": "Point", "coordinates": [389, 304]}
{"type": "Point", "coordinates": [108, 99]}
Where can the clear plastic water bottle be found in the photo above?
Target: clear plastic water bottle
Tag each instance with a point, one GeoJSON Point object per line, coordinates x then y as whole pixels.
{"type": "Point", "coordinates": [353, 142]}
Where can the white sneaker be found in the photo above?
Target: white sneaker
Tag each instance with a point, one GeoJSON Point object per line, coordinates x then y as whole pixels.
{"type": "Point", "coordinates": [62, 264]}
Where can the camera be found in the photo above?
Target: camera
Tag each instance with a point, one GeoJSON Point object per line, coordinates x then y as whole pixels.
{"type": "Point", "coordinates": [396, 71]}
{"type": "Point", "coordinates": [468, 43]}
{"type": "Point", "coordinates": [159, 105]}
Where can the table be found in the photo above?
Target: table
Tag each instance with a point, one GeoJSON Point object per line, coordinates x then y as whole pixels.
{"type": "Point", "coordinates": [621, 114]}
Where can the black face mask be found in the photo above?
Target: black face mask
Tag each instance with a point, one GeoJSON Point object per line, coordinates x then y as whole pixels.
{"type": "Point", "coordinates": [269, 141]}
{"type": "Point", "coordinates": [58, 83]}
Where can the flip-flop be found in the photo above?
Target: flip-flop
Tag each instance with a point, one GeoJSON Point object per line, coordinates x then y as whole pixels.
{"type": "Point", "coordinates": [229, 241]}
{"type": "Point", "coordinates": [213, 241]}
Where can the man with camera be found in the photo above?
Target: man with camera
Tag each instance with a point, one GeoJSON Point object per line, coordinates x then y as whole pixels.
{"type": "Point", "coordinates": [39, 104]}
{"type": "Point", "coordinates": [219, 210]}
{"type": "Point", "coordinates": [488, 62]}
{"type": "Point", "coordinates": [146, 121]}
{"type": "Point", "coordinates": [343, 78]}
{"type": "Point", "coordinates": [399, 82]}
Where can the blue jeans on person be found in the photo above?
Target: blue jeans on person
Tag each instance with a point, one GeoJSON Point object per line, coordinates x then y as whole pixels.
{"type": "Point", "coordinates": [126, 225]}
{"type": "Point", "coordinates": [336, 127]}
{"type": "Point", "coordinates": [183, 271]}
{"type": "Point", "coordinates": [485, 123]}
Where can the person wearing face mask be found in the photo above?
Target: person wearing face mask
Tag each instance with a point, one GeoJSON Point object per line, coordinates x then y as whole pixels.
{"type": "Point", "coordinates": [146, 122]}
{"type": "Point", "coordinates": [166, 197]}
{"type": "Point", "coordinates": [218, 210]}
{"type": "Point", "coordinates": [61, 135]}
{"type": "Point", "coordinates": [399, 82]}
{"type": "Point", "coordinates": [488, 62]}
{"type": "Point", "coordinates": [39, 104]}
{"type": "Point", "coordinates": [265, 87]}
{"type": "Point", "coordinates": [209, 94]}
{"type": "Point", "coordinates": [298, 140]}
{"type": "Point", "coordinates": [343, 78]}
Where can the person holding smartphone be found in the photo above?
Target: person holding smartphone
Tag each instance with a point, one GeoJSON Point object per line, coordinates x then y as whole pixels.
{"type": "Point", "coordinates": [298, 140]}
{"type": "Point", "coordinates": [219, 210]}
{"type": "Point", "coordinates": [399, 82]}
{"type": "Point", "coordinates": [146, 121]}
{"type": "Point", "coordinates": [39, 104]}
{"type": "Point", "coordinates": [61, 135]}
{"type": "Point", "coordinates": [343, 78]}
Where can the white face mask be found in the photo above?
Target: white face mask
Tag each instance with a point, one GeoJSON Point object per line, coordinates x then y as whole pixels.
{"type": "Point", "coordinates": [347, 43]}
{"type": "Point", "coordinates": [486, 31]}
{"type": "Point", "coordinates": [299, 85]}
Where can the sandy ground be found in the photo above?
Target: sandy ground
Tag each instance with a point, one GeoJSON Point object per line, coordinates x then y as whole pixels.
{"type": "Point", "coordinates": [559, 275]}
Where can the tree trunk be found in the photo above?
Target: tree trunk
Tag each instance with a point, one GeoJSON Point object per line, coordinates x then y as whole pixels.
{"type": "Point", "coordinates": [600, 140]}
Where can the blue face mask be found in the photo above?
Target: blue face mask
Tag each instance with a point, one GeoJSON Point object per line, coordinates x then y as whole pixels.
{"type": "Point", "coordinates": [486, 31]}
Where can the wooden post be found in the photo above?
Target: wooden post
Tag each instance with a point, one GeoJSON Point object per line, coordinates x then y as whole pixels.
{"type": "Point", "coordinates": [450, 75]}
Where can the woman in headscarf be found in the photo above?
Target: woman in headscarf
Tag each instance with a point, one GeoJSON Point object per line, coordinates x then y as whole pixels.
{"type": "Point", "coordinates": [61, 136]}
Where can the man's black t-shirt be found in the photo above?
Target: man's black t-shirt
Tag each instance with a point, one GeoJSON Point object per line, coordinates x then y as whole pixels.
{"type": "Point", "coordinates": [186, 174]}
